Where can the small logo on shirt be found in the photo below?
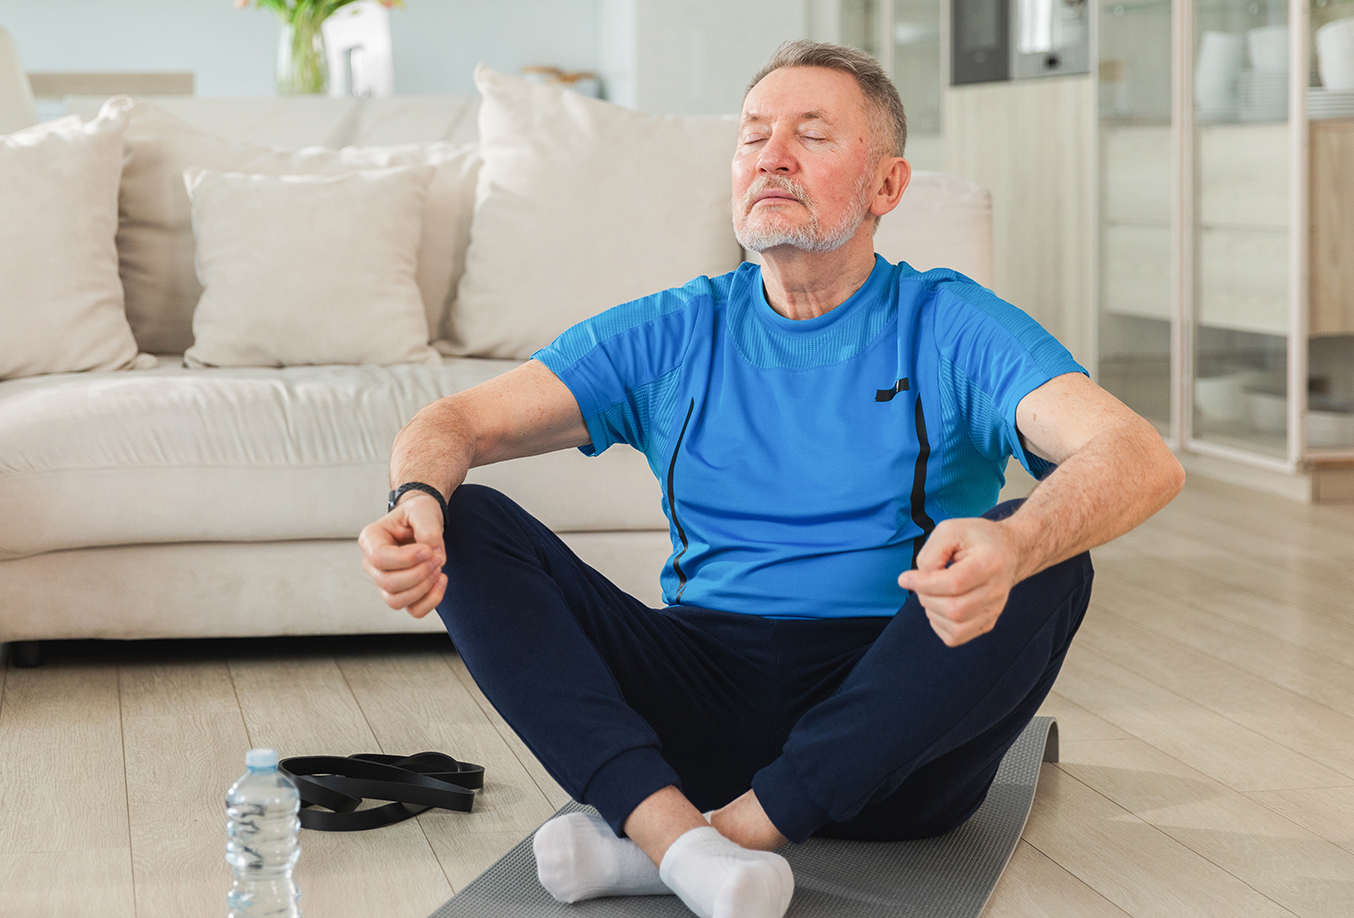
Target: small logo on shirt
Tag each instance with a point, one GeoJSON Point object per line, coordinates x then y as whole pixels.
{"type": "Point", "coordinates": [885, 395]}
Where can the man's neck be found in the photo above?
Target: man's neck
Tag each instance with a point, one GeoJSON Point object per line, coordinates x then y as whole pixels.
{"type": "Point", "coordinates": [805, 285]}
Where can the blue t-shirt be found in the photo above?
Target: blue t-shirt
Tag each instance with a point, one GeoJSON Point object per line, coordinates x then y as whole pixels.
{"type": "Point", "coordinates": [803, 462]}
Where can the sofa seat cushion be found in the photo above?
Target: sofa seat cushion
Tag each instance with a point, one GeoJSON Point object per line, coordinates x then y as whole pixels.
{"type": "Point", "coordinates": [254, 454]}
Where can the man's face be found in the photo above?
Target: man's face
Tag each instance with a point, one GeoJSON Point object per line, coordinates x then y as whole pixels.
{"type": "Point", "coordinates": [804, 169]}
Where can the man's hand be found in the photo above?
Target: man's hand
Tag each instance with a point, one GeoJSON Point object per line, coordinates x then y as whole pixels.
{"type": "Point", "coordinates": [404, 554]}
{"type": "Point", "coordinates": [964, 574]}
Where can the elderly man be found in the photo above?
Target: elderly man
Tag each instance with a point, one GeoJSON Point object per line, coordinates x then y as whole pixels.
{"type": "Point", "coordinates": [853, 635]}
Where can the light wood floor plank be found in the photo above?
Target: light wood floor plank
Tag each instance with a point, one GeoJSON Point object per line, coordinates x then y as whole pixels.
{"type": "Point", "coordinates": [1273, 581]}
{"type": "Point", "coordinates": [184, 740]}
{"type": "Point", "coordinates": [61, 769]}
{"type": "Point", "coordinates": [178, 770]}
{"type": "Point", "coordinates": [182, 679]}
{"type": "Point", "coordinates": [1328, 812]}
{"type": "Point", "coordinates": [1077, 723]}
{"type": "Point", "coordinates": [1134, 865]}
{"type": "Point", "coordinates": [1276, 539]}
{"type": "Point", "coordinates": [414, 703]}
{"type": "Point", "coordinates": [301, 705]}
{"type": "Point", "coordinates": [78, 884]}
{"type": "Point", "coordinates": [1316, 526]}
{"type": "Point", "coordinates": [548, 786]}
{"type": "Point", "coordinates": [1236, 756]}
{"type": "Point", "coordinates": [1294, 867]}
{"type": "Point", "coordinates": [1285, 619]}
{"type": "Point", "coordinates": [1284, 717]}
{"type": "Point", "coordinates": [1035, 887]}
{"type": "Point", "coordinates": [1283, 663]}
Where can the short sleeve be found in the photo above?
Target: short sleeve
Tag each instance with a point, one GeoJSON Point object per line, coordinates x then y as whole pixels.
{"type": "Point", "coordinates": [1002, 353]}
{"type": "Point", "coordinates": [620, 363]}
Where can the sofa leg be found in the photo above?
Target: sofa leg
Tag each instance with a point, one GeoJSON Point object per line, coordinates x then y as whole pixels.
{"type": "Point", "coordinates": [25, 653]}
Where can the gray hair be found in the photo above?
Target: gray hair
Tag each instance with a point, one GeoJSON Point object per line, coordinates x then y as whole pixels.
{"type": "Point", "coordinates": [882, 102]}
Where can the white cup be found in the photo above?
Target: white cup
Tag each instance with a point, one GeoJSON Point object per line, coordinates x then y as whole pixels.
{"type": "Point", "coordinates": [1269, 47]}
{"type": "Point", "coordinates": [1217, 69]}
{"type": "Point", "coordinates": [1335, 53]}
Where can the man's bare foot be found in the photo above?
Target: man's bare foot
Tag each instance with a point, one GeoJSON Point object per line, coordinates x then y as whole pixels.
{"type": "Point", "coordinates": [745, 823]}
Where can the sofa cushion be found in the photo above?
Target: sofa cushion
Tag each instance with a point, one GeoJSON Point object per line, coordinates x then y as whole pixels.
{"type": "Point", "coordinates": [297, 121]}
{"type": "Point", "coordinates": [60, 299]}
{"type": "Point", "coordinates": [177, 455]}
{"type": "Point", "coordinates": [582, 205]}
{"type": "Point", "coordinates": [290, 122]}
{"type": "Point", "coordinates": [314, 269]}
{"type": "Point", "coordinates": [155, 238]}
{"type": "Point", "coordinates": [416, 119]}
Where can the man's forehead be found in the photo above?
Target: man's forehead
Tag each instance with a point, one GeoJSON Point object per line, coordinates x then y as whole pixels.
{"type": "Point", "coordinates": [802, 94]}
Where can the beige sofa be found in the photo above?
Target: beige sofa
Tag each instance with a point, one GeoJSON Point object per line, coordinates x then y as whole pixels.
{"type": "Point", "coordinates": [177, 502]}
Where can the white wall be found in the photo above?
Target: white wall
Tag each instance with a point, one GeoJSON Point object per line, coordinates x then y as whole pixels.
{"type": "Point", "coordinates": [437, 42]}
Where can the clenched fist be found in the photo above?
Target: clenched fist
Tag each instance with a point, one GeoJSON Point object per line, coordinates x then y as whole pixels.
{"type": "Point", "coordinates": [964, 574]}
{"type": "Point", "coordinates": [404, 554]}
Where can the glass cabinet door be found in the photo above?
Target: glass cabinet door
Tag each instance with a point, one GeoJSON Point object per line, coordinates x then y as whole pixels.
{"type": "Point", "coordinates": [904, 36]}
{"type": "Point", "coordinates": [1136, 184]}
{"type": "Point", "coordinates": [1330, 106]}
{"type": "Point", "coordinates": [1242, 254]}
{"type": "Point", "coordinates": [916, 73]}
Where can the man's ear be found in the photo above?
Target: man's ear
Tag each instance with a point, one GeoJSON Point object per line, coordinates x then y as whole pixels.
{"type": "Point", "coordinates": [896, 173]}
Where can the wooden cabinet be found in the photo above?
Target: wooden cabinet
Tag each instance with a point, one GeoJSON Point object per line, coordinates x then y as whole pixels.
{"type": "Point", "coordinates": [1031, 143]}
{"type": "Point", "coordinates": [1332, 227]}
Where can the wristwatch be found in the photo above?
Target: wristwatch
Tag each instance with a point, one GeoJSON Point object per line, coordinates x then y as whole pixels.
{"type": "Point", "coordinates": [396, 494]}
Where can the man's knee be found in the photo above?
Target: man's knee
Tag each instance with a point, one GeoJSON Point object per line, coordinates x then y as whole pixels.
{"type": "Point", "coordinates": [471, 498]}
{"type": "Point", "coordinates": [471, 505]}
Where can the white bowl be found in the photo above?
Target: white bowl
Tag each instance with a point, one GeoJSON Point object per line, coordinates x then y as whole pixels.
{"type": "Point", "coordinates": [1220, 398]}
{"type": "Point", "coordinates": [1330, 429]}
{"type": "Point", "coordinates": [1216, 70]}
{"type": "Point", "coordinates": [1268, 412]}
{"type": "Point", "coordinates": [1269, 47]}
{"type": "Point", "coordinates": [1335, 53]}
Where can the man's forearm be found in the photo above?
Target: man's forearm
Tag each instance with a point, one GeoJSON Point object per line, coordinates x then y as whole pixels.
{"type": "Point", "coordinates": [436, 447]}
{"type": "Point", "coordinates": [1114, 482]}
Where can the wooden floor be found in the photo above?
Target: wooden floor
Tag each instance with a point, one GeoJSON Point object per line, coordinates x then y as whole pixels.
{"type": "Point", "coordinates": [1206, 713]}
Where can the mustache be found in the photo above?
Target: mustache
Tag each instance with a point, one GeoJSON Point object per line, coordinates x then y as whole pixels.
{"type": "Point", "coordinates": [779, 183]}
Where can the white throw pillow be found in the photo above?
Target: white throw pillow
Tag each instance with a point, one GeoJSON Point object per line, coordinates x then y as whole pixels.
{"type": "Point", "coordinates": [309, 269]}
{"type": "Point", "coordinates": [582, 205]}
{"type": "Point", "coordinates": [155, 239]}
{"type": "Point", "coordinates": [60, 299]}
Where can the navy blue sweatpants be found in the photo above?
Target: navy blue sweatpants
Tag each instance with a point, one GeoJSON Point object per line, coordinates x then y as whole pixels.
{"type": "Point", "coordinates": [865, 728]}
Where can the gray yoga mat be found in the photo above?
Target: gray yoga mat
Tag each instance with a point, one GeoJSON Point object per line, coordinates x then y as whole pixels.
{"type": "Point", "coordinates": [951, 876]}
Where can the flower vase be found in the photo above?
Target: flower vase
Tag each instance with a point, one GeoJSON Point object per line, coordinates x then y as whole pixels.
{"type": "Point", "coordinates": [302, 60]}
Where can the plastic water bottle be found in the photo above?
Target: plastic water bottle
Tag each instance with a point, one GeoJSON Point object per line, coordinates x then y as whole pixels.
{"type": "Point", "coordinates": [262, 840]}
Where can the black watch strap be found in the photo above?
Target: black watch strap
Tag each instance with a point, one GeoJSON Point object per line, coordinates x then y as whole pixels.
{"type": "Point", "coordinates": [416, 486]}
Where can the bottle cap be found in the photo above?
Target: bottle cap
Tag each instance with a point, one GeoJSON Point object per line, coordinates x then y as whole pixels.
{"type": "Point", "coordinates": [261, 758]}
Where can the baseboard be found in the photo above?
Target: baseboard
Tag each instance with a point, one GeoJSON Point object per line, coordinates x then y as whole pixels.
{"type": "Point", "coordinates": [1321, 483]}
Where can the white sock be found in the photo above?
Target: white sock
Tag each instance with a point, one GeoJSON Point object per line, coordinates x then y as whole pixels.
{"type": "Point", "coordinates": [578, 857]}
{"type": "Point", "coordinates": [719, 879]}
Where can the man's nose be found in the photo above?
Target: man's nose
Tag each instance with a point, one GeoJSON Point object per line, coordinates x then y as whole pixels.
{"type": "Point", "coordinates": [776, 155]}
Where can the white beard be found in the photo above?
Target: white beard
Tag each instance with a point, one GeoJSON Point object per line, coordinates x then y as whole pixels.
{"type": "Point", "coordinates": [809, 237]}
